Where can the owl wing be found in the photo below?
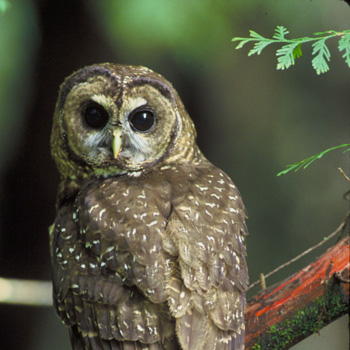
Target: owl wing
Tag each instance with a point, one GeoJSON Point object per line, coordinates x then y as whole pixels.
{"type": "Point", "coordinates": [109, 267]}
{"type": "Point", "coordinates": [207, 231]}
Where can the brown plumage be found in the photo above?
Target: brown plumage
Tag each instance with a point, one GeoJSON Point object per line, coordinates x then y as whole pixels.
{"type": "Point", "coordinates": [148, 245]}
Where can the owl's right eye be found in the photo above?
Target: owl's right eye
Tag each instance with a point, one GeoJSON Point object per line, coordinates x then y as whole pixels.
{"type": "Point", "coordinates": [95, 116]}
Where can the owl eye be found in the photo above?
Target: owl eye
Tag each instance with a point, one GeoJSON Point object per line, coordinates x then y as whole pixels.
{"type": "Point", "coordinates": [96, 116]}
{"type": "Point", "coordinates": [142, 120]}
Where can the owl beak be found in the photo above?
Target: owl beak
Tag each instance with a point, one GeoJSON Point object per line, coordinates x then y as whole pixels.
{"type": "Point", "coordinates": [117, 143]}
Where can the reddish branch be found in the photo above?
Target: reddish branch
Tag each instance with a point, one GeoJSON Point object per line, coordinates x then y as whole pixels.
{"type": "Point", "coordinates": [281, 302]}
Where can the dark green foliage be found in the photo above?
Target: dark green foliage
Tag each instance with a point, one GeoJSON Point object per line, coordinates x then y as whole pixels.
{"type": "Point", "coordinates": [4, 6]}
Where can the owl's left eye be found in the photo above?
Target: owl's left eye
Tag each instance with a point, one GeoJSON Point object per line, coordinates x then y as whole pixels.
{"type": "Point", "coordinates": [142, 121]}
{"type": "Point", "coordinates": [96, 116]}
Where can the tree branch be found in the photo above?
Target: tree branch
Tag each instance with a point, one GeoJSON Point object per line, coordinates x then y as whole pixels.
{"type": "Point", "coordinates": [284, 314]}
{"type": "Point", "coordinates": [25, 292]}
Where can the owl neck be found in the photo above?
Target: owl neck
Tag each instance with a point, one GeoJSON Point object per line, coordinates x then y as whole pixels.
{"type": "Point", "coordinates": [68, 190]}
{"type": "Point", "coordinates": [185, 155]}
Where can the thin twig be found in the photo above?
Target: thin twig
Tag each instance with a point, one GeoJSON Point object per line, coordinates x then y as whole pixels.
{"type": "Point", "coordinates": [342, 172]}
{"type": "Point", "coordinates": [340, 228]}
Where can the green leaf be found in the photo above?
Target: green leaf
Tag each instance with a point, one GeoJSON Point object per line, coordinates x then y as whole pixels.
{"type": "Point", "coordinates": [255, 35]}
{"type": "Point", "coordinates": [322, 53]}
{"type": "Point", "coordinates": [280, 33]}
{"type": "Point", "coordinates": [236, 38]}
{"type": "Point", "coordinates": [241, 44]}
{"type": "Point", "coordinates": [297, 52]}
{"type": "Point", "coordinates": [327, 33]}
{"type": "Point", "coordinates": [258, 47]}
{"type": "Point", "coordinates": [286, 56]}
{"type": "Point", "coordinates": [344, 44]}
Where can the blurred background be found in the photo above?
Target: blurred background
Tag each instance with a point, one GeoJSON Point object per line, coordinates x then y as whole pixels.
{"type": "Point", "coordinates": [251, 120]}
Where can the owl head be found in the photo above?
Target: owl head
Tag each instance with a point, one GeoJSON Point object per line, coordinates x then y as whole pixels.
{"type": "Point", "coordinates": [113, 119]}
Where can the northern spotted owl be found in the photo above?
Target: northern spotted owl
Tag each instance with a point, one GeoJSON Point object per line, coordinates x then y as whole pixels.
{"type": "Point", "coordinates": [148, 246]}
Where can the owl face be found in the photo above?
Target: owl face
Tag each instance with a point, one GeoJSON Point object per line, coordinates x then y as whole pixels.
{"type": "Point", "coordinates": [113, 119]}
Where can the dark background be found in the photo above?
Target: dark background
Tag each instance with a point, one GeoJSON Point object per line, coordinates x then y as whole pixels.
{"type": "Point", "coordinates": [251, 120]}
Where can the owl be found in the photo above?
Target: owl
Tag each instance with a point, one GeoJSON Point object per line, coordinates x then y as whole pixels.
{"type": "Point", "coordinates": [148, 245]}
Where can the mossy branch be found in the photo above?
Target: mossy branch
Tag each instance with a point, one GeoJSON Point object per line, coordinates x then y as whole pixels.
{"type": "Point", "coordinates": [286, 313]}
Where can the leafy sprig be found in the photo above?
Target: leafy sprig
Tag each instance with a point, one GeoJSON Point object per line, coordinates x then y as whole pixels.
{"type": "Point", "coordinates": [291, 49]}
{"type": "Point", "coordinates": [306, 162]}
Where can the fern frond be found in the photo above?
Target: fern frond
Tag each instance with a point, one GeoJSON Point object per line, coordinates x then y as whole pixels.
{"type": "Point", "coordinates": [322, 55]}
{"type": "Point", "coordinates": [287, 55]}
{"type": "Point", "coordinates": [280, 33]}
{"type": "Point", "coordinates": [291, 48]}
{"type": "Point", "coordinates": [258, 47]}
{"type": "Point", "coordinates": [344, 44]}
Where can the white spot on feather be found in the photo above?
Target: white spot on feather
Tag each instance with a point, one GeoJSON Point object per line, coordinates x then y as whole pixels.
{"type": "Point", "coordinates": [101, 213]}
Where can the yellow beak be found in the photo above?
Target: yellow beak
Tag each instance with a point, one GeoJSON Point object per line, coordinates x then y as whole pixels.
{"type": "Point", "coordinates": [117, 143]}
